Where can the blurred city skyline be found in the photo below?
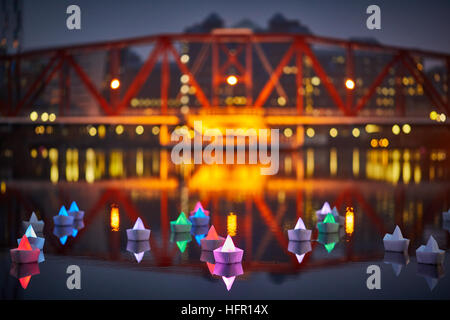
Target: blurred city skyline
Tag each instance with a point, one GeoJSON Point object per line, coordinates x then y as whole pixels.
{"type": "Point", "coordinates": [44, 21]}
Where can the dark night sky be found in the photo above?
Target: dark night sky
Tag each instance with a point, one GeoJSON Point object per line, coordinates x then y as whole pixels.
{"type": "Point", "coordinates": [409, 23]}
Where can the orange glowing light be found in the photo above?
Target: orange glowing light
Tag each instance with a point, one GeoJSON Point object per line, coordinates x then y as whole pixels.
{"type": "Point", "coordinates": [350, 84]}
{"type": "Point", "coordinates": [231, 224]}
{"type": "Point", "coordinates": [115, 84]}
{"type": "Point", "coordinates": [25, 281]}
{"type": "Point", "coordinates": [349, 221]}
{"type": "Point", "coordinates": [232, 80]}
{"type": "Point", "coordinates": [115, 219]}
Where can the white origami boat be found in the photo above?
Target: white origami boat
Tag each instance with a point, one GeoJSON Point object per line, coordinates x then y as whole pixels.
{"type": "Point", "coordinates": [395, 241]}
{"type": "Point", "coordinates": [35, 241]}
{"type": "Point", "coordinates": [299, 233]}
{"type": "Point", "coordinates": [138, 232]}
{"type": "Point", "coordinates": [430, 253]}
{"type": "Point", "coordinates": [38, 225]}
{"type": "Point", "coordinates": [446, 215]}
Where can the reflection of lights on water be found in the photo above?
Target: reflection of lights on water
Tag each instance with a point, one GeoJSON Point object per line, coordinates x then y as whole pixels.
{"type": "Point", "coordinates": [115, 218]}
{"type": "Point", "coordinates": [309, 162]}
{"type": "Point", "coordinates": [139, 162]}
{"type": "Point", "coordinates": [231, 224]}
{"type": "Point", "coordinates": [349, 221]}
{"type": "Point", "coordinates": [333, 162]}
{"type": "Point", "coordinates": [355, 162]}
{"type": "Point", "coordinates": [90, 165]}
{"type": "Point", "coordinates": [54, 170]}
{"type": "Point", "coordinates": [3, 187]}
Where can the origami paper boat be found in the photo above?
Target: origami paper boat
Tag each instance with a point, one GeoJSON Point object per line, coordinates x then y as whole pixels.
{"type": "Point", "coordinates": [228, 253]}
{"type": "Point", "coordinates": [63, 219]}
{"type": "Point", "coordinates": [212, 241]}
{"type": "Point", "coordinates": [431, 272]}
{"type": "Point", "coordinates": [328, 225]}
{"type": "Point", "coordinates": [299, 248]}
{"type": "Point", "coordinates": [228, 270]}
{"type": "Point", "coordinates": [207, 256]}
{"type": "Point", "coordinates": [322, 213]}
{"type": "Point", "coordinates": [446, 225]}
{"type": "Point", "coordinates": [395, 241]}
{"type": "Point", "coordinates": [199, 230]}
{"type": "Point", "coordinates": [35, 241]}
{"type": "Point", "coordinates": [299, 233]}
{"type": "Point", "coordinates": [38, 225]}
{"type": "Point", "coordinates": [24, 272]}
{"type": "Point", "coordinates": [430, 253]}
{"type": "Point", "coordinates": [397, 260]}
{"type": "Point", "coordinates": [74, 212]}
{"type": "Point", "coordinates": [199, 218]}
{"type": "Point", "coordinates": [24, 253]}
{"type": "Point", "coordinates": [138, 248]}
{"type": "Point", "coordinates": [182, 224]}
{"type": "Point", "coordinates": [198, 206]}
{"type": "Point", "coordinates": [446, 215]}
{"type": "Point", "coordinates": [138, 232]}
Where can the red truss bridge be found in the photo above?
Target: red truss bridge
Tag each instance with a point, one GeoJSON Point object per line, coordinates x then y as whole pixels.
{"type": "Point", "coordinates": [231, 76]}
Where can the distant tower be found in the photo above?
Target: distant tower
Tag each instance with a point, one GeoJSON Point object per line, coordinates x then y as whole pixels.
{"type": "Point", "coordinates": [11, 29]}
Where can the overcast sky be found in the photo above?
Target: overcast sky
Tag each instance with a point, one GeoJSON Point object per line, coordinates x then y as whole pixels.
{"type": "Point", "coordinates": [410, 23]}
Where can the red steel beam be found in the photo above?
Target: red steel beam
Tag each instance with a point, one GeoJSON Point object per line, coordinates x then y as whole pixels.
{"type": "Point", "coordinates": [165, 81]}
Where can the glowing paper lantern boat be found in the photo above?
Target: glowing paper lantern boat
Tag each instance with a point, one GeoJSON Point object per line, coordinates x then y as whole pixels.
{"type": "Point", "coordinates": [397, 260]}
{"type": "Point", "coordinates": [299, 248]}
{"type": "Point", "coordinates": [299, 233]}
{"type": "Point", "coordinates": [212, 241]}
{"type": "Point", "coordinates": [182, 224]}
{"type": "Point", "coordinates": [24, 253]}
{"type": "Point", "coordinates": [63, 232]}
{"type": "Point", "coordinates": [138, 248]}
{"type": "Point", "coordinates": [199, 218]}
{"type": "Point", "coordinates": [446, 215]}
{"type": "Point", "coordinates": [430, 253]}
{"type": "Point", "coordinates": [395, 241]}
{"type": "Point", "coordinates": [322, 213]}
{"type": "Point", "coordinates": [328, 225]}
{"type": "Point", "coordinates": [431, 273]}
{"type": "Point", "coordinates": [138, 232]}
{"type": "Point", "coordinates": [198, 206]}
{"type": "Point", "coordinates": [228, 253]}
{"type": "Point", "coordinates": [74, 212]}
{"type": "Point", "coordinates": [63, 218]}
{"type": "Point", "coordinates": [38, 225]}
{"type": "Point", "coordinates": [24, 272]}
{"type": "Point", "coordinates": [35, 241]}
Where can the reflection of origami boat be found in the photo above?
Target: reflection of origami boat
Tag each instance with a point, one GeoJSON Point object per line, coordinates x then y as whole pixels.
{"type": "Point", "coordinates": [62, 232]}
{"type": "Point", "coordinates": [24, 272]}
{"type": "Point", "coordinates": [228, 270]}
{"type": "Point", "coordinates": [328, 225]}
{"type": "Point", "coordinates": [198, 206]}
{"type": "Point", "coordinates": [431, 273]}
{"type": "Point", "coordinates": [328, 240]}
{"type": "Point", "coordinates": [299, 233]}
{"type": "Point", "coordinates": [397, 260]}
{"type": "Point", "coordinates": [181, 239]}
{"type": "Point", "coordinates": [63, 219]}
{"type": "Point", "coordinates": [38, 225]}
{"type": "Point", "coordinates": [24, 253]}
{"type": "Point", "coordinates": [138, 248]}
{"type": "Point", "coordinates": [299, 248]}
{"type": "Point", "coordinates": [430, 253]}
{"type": "Point", "coordinates": [138, 232]}
{"type": "Point", "coordinates": [35, 241]}
{"type": "Point", "coordinates": [199, 233]}
{"type": "Point", "coordinates": [446, 225]}
{"type": "Point", "coordinates": [446, 215]}
{"type": "Point", "coordinates": [395, 241]}
{"type": "Point", "coordinates": [77, 226]}
{"type": "Point", "coordinates": [199, 218]}
{"type": "Point", "coordinates": [182, 224]}
{"type": "Point", "coordinates": [212, 240]}
{"type": "Point", "coordinates": [207, 256]}
{"type": "Point", "coordinates": [228, 253]}
{"type": "Point", "coordinates": [74, 212]}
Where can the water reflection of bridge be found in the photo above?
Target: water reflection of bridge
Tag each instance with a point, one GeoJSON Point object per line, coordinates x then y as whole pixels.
{"type": "Point", "coordinates": [21, 197]}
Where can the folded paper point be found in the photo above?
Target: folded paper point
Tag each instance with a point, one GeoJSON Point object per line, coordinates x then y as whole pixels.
{"type": "Point", "coordinates": [212, 234]}
{"type": "Point", "coordinates": [329, 218]}
{"type": "Point", "coordinates": [228, 246]}
{"type": "Point", "coordinates": [138, 225]}
{"type": "Point", "coordinates": [63, 211]}
{"type": "Point", "coordinates": [73, 207]}
{"type": "Point", "coordinates": [30, 232]}
{"type": "Point", "coordinates": [33, 218]}
{"type": "Point", "coordinates": [325, 208]}
{"type": "Point", "coordinates": [24, 244]}
{"type": "Point", "coordinates": [300, 224]}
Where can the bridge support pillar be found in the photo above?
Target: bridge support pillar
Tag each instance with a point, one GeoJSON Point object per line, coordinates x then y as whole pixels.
{"type": "Point", "coordinates": [164, 135]}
